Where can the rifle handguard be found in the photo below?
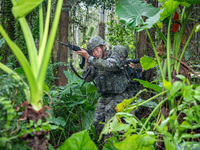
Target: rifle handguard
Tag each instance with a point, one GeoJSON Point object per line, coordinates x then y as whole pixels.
{"type": "Point", "coordinates": [73, 47]}
{"type": "Point", "coordinates": [135, 61]}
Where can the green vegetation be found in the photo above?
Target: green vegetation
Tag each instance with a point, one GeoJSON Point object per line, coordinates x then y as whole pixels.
{"type": "Point", "coordinates": [31, 104]}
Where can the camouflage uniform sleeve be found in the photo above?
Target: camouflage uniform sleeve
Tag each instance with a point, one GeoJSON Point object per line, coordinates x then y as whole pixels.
{"type": "Point", "coordinates": [112, 63]}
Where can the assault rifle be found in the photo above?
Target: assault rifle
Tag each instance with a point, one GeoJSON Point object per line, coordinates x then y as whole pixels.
{"type": "Point", "coordinates": [76, 48]}
{"type": "Point", "coordinates": [132, 73]}
{"type": "Point", "coordinates": [128, 61]}
{"type": "Point", "coordinates": [82, 63]}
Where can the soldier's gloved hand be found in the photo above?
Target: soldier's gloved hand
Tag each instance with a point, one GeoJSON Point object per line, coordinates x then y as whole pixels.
{"type": "Point", "coordinates": [82, 53]}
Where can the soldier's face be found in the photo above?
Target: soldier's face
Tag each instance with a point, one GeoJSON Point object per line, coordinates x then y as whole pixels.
{"type": "Point", "coordinates": [97, 52]}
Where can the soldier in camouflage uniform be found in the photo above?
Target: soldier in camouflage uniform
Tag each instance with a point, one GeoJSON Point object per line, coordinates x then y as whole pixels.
{"type": "Point", "coordinates": [132, 71]}
{"type": "Point", "coordinates": [108, 72]}
{"type": "Point", "coordinates": [121, 51]}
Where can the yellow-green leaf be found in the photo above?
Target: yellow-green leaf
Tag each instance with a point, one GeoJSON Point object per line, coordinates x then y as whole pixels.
{"type": "Point", "coordinates": [167, 85]}
{"type": "Point", "coordinates": [24, 7]}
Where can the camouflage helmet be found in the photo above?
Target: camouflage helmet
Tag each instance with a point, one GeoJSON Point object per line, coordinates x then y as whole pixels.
{"type": "Point", "coordinates": [94, 42]}
{"type": "Point", "coordinates": [121, 51]}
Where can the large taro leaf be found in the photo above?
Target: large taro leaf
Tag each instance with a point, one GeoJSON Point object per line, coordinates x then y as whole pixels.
{"type": "Point", "coordinates": [79, 141]}
{"type": "Point", "coordinates": [131, 12]}
{"type": "Point", "coordinates": [150, 21]}
{"type": "Point", "coordinates": [169, 9]}
{"type": "Point", "coordinates": [24, 7]}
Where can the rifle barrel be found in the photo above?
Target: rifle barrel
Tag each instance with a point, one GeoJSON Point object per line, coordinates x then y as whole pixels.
{"type": "Point", "coordinates": [135, 61]}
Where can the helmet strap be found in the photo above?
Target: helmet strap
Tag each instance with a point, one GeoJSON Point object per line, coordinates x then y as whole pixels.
{"type": "Point", "coordinates": [103, 51]}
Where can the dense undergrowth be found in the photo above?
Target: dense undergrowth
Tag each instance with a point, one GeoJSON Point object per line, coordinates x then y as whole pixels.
{"type": "Point", "coordinates": [66, 113]}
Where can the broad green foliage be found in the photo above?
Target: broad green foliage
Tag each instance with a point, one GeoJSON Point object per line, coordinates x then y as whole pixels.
{"type": "Point", "coordinates": [147, 62]}
{"type": "Point", "coordinates": [72, 108]}
{"type": "Point", "coordinates": [169, 9]}
{"type": "Point", "coordinates": [79, 141]}
{"type": "Point", "coordinates": [126, 124]}
{"type": "Point", "coordinates": [131, 12]}
{"type": "Point", "coordinates": [146, 84]}
{"type": "Point", "coordinates": [35, 71]}
{"type": "Point", "coordinates": [110, 144]}
{"type": "Point", "coordinates": [181, 96]}
{"type": "Point", "coordinates": [115, 124]}
{"type": "Point", "coordinates": [24, 7]}
{"type": "Point", "coordinates": [138, 142]}
{"type": "Point", "coordinates": [167, 85]}
{"type": "Point", "coordinates": [190, 1]}
{"type": "Point", "coordinates": [120, 34]}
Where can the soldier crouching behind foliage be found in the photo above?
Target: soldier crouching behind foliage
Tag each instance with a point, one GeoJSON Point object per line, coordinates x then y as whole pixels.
{"type": "Point", "coordinates": [106, 68]}
{"type": "Point", "coordinates": [131, 73]}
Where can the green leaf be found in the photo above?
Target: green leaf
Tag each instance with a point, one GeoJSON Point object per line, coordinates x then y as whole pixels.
{"type": "Point", "coordinates": [197, 29]}
{"type": "Point", "coordinates": [185, 4]}
{"type": "Point", "coordinates": [24, 7]}
{"type": "Point", "coordinates": [31, 122]}
{"type": "Point", "coordinates": [79, 141]}
{"type": "Point", "coordinates": [186, 135]}
{"type": "Point", "coordinates": [146, 84]}
{"type": "Point", "coordinates": [187, 93]}
{"type": "Point", "coordinates": [110, 144]}
{"type": "Point", "coordinates": [169, 9]}
{"type": "Point", "coordinates": [58, 121]}
{"type": "Point", "coordinates": [169, 145]}
{"type": "Point", "coordinates": [39, 122]}
{"type": "Point", "coordinates": [150, 21]}
{"type": "Point", "coordinates": [147, 62]}
{"type": "Point", "coordinates": [136, 142]}
{"type": "Point", "coordinates": [162, 2]}
{"type": "Point", "coordinates": [130, 143]}
{"type": "Point", "coordinates": [3, 141]}
{"type": "Point", "coordinates": [46, 88]}
{"type": "Point", "coordinates": [50, 147]}
{"type": "Point", "coordinates": [191, 145]}
{"type": "Point", "coordinates": [1, 42]}
{"type": "Point", "coordinates": [87, 120]}
{"type": "Point", "coordinates": [19, 71]}
{"type": "Point", "coordinates": [181, 77]}
{"type": "Point", "coordinates": [190, 1]}
{"type": "Point", "coordinates": [125, 103]}
{"type": "Point", "coordinates": [131, 11]}
{"type": "Point", "coordinates": [176, 87]}
{"type": "Point", "coordinates": [167, 85]}
{"type": "Point", "coordinates": [115, 124]}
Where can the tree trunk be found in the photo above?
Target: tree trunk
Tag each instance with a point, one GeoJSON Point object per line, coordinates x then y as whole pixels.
{"type": "Point", "coordinates": [54, 58]}
{"type": "Point", "coordinates": [63, 50]}
{"type": "Point", "coordinates": [102, 23]}
{"type": "Point", "coordinates": [141, 45]}
{"type": "Point", "coordinates": [150, 51]}
{"type": "Point", "coordinates": [85, 25]}
{"type": "Point", "coordinates": [7, 20]}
